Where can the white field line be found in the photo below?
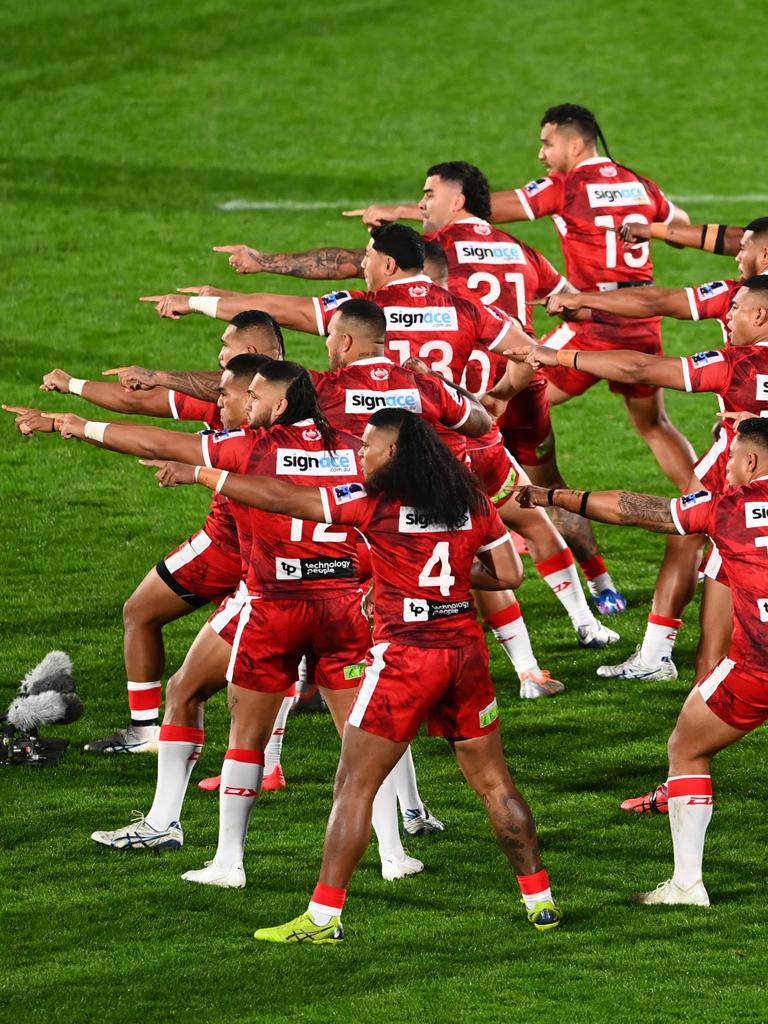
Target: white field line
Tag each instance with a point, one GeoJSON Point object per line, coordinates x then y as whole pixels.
{"type": "Point", "coordinates": [234, 205]}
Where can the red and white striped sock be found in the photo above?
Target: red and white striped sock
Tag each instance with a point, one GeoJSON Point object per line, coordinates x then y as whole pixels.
{"type": "Point", "coordinates": [596, 572]}
{"type": "Point", "coordinates": [327, 902]}
{"type": "Point", "coordinates": [179, 750]}
{"type": "Point", "coordinates": [508, 626]}
{"type": "Point", "coordinates": [535, 888]}
{"type": "Point", "coordinates": [659, 639]}
{"type": "Point", "coordinates": [690, 812]}
{"type": "Point", "coordinates": [144, 700]}
{"type": "Point", "coordinates": [559, 572]}
{"type": "Point", "coordinates": [241, 776]}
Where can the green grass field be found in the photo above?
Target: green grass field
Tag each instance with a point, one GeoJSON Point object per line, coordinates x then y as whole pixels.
{"type": "Point", "coordinates": [124, 130]}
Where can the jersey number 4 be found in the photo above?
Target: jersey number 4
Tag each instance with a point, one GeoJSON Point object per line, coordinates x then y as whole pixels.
{"type": "Point", "coordinates": [437, 570]}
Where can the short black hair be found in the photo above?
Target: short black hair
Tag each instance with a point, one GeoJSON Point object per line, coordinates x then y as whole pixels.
{"type": "Point", "coordinates": [759, 226]}
{"type": "Point", "coordinates": [403, 244]}
{"type": "Point", "coordinates": [366, 313]}
{"type": "Point", "coordinates": [246, 366]}
{"type": "Point", "coordinates": [756, 429]}
{"type": "Point", "coordinates": [257, 318]}
{"type": "Point", "coordinates": [474, 185]}
{"type": "Point", "coordinates": [757, 283]}
{"type": "Point", "coordinates": [571, 115]}
{"type": "Point", "coordinates": [301, 398]}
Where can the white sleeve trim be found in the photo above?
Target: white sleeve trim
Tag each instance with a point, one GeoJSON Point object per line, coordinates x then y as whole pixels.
{"type": "Point", "coordinates": [320, 324]}
{"type": "Point", "coordinates": [505, 329]}
{"type": "Point", "coordinates": [686, 373]}
{"type": "Point", "coordinates": [520, 193]}
{"type": "Point", "coordinates": [205, 441]}
{"type": "Point", "coordinates": [496, 543]}
{"type": "Point", "coordinates": [675, 517]}
{"type": "Point", "coordinates": [172, 404]}
{"type": "Point", "coordinates": [467, 413]}
{"type": "Point", "coordinates": [326, 504]}
{"type": "Point", "coordinates": [561, 284]}
{"type": "Point", "coordinates": [692, 304]}
{"type": "Point", "coordinates": [672, 211]}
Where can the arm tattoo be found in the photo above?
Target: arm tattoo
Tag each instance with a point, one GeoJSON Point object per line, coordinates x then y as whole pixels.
{"type": "Point", "coordinates": [318, 264]}
{"type": "Point", "coordinates": [199, 385]}
{"type": "Point", "coordinates": [639, 509]}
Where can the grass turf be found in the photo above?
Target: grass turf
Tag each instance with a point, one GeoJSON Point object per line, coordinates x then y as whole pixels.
{"type": "Point", "coordinates": [124, 128]}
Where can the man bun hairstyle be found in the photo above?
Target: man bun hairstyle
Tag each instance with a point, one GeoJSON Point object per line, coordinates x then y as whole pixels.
{"type": "Point", "coordinates": [257, 319]}
{"type": "Point", "coordinates": [403, 244]}
{"type": "Point", "coordinates": [474, 185]}
{"type": "Point", "coordinates": [582, 120]}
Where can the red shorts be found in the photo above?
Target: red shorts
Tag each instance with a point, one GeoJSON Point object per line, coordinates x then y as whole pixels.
{"type": "Point", "coordinates": [710, 468]}
{"type": "Point", "coordinates": [645, 338]}
{"type": "Point", "coordinates": [738, 697]}
{"type": "Point", "coordinates": [497, 471]}
{"type": "Point", "coordinates": [224, 619]}
{"type": "Point", "coordinates": [450, 687]}
{"type": "Point", "coordinates": [526, 425]}
{"type": "Point", "coordinates": [200, 571]}
{"type": "Point", "coordinates": [273, 634]}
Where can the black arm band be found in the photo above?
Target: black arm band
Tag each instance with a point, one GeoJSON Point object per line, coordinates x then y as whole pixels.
{"type": "Point", "coordinates": [583, 504]}
{"type": "Point", "coordinates": [575, 360]}
{"type": "Point", "coordinates": [703, 235]}
{"type": "Point", "coordinates": [720, 240]}
{"type": "Point", "coordinates": [550, 496]}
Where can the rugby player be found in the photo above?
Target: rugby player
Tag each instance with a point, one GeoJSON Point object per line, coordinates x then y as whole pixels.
{"type": "Point", "coordinates": [731, 700]}
{"type": "Point", "coordinates": [425, 519]}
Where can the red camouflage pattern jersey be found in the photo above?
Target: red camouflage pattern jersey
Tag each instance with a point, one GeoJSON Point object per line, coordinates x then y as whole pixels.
{"type": "Point", "coordinates": [421, 569]}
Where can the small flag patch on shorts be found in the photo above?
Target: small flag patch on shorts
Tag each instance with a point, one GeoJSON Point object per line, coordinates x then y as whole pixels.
{"type": "Point", "coordinates": [354, 671]}
{"type": "Point", "coordinates": [489, 714]}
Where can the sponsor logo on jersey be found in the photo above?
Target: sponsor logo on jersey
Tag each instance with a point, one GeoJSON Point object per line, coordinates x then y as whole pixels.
{"type": "Point", "coordinates": [762, 607]}
{"type": "Point", "coordinates": [488, 715]}
{"type": "Point", "coordinates": [700, 359]}
{"type": "Point", "coordinates": [624, 193]}
{"type": "Point", "coordinates": [293, 461]}
{"type": "Point", "coordinates": [348, 492]}
{"type": "Point", "coordinates": [761, 387]}
{"type": "Point", "coordinates": [417, 609]}
{"type": "Point", "coordinates": [311, 434]}
{"type": "Point", "coordinates": [417, 291]}
{"type": "Point", "coordinates": [224, 435]}
{"type": "Point", "coordinates": [534, 187]}
{"type": "Point", "coordinates": [368, 401]}
{"type": "Point", "coordinates": [380, 373]}
{"type": "Point", "coordinates": [712, 288]}
{"type": "Point", "coordinates": [489, 252]}
{"type": "Point", "coordinates": [608, 171]}
{"type": "Point", "coordinates": [428, 318]}
{"type": "Point", "coordinates": [334, 299]}
{"type": "Point", "coordinates": [413, 520]}
{"type": "Point", "coordinates": [756, 513]}
{"type": "Point", "coordinates": [481, 229]}
{"type": "Point", "coordinates": [314, 568]}
{"type": "Point", "coordinates": [696, 498]}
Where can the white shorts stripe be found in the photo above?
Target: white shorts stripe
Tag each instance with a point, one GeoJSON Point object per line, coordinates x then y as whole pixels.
{"type": "Point", "coordinates": [715, 677]}
{"type": "Point", "coordinates": [368, 685]}
{"type": "Point", "coordinates": [172, 404]}
{"type": "Point", "coordinates": [707, 461]}
{"type": "Point", "coordinates": [245, 614]}
{"type": "Point", "coordinates": [713, 564]}
{"type": "Point", "coordinates": [195, 546]}
{"type": "Point", "coordinates": [232, 607]}
{"type": "Point", "coordinates": [560, 337]}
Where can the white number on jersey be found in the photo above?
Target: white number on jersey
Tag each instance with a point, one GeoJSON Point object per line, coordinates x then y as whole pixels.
{"type": "Point", "coordinates": [322, 533]}
{"type": "Point", "coordinates": [436, 354]}
{"type": "Point", "coordinates": [479, 356]}
{"type": "Point", "coordinates": [438, 560]}
{"type": "Point", "coordinates": [482, 279]}
{"type": "Point", "coordinates": [637, 256]}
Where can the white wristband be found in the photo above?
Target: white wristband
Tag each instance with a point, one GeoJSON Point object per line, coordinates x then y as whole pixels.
{"type": "Point", "coordinates": [197, 473]}
{"type": "Point", "coordinates": [207, 304]}
{"type": "Point", "coordinates": [76, 385]}
{"type": "Point", "coordinates": [95, 431]}
{"type": "Point", "coordinates": [222, 480]}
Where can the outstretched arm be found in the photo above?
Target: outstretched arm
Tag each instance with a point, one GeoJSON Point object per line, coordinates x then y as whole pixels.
{"type": "Point", "coordinates": [131, 438]}
{"type": "Point", "coordinates": [620, 508]}
{"type": "Point", "coordinates": [631, 302]}
{"type": "Point", "coordinates": [625, 366]}
{"type": "Point", "coordinates": [262, 492]}
{"type": "Point", "coordinates": [329, 264]}
{"type": "Point", "coordinates": [294, 311]}
{"type": "Point", "coordinates": [202, 384]}
{"type": "Point", "coordinates": [506, 206]}
{"type": "Point", "coordinates": [722, 239]}
{"type": "Point", "coordinates": [385, 213]}
{"type": "Point", "coordinates": [109, 395]}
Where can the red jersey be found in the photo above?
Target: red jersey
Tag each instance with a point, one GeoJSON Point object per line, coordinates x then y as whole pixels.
{"type": "Point", "coordinates": [220, 524]}
{"type": "Point", "coordinates": [712, 301]}
{"type": "Point", "coordinates": [348, 396]}
{"type": "Point", "coordinates": [421, 569]}
{"type": "Point", "coordinates": [292, 557]}
{"type": "Point", "coordinates": [587, 205]}
{"type": "Point", "coordinates": [738, 375]}
{"type": "Point", "coordinates": [737, 522]}
{"type": "Point", "coordinates": [426, 321]}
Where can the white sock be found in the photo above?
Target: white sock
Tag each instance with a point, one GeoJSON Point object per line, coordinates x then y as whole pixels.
{"type": "Point", "coordinates": [690, 812]}
{"type": "Point", "coordinates": [508, 627]}
{"type": "Point", "coordinates": [603, 581]}
{"type": "Point", "coordinates": [659, 640]}
{"type": "Point", "coordinates": [559, 572]}
{"type": "Point", "coordinates": [385, 820]}
{"type": "Point", "coordinates": [531, 899]}
{"type": "Point", "coordinates": [241, 776]}
{"type": "Point", "coordinates": [406, 786]}
{"type": "Point", "coordinates": [275, 746]}
{"type": "Point", "coordinates": [180, 748]}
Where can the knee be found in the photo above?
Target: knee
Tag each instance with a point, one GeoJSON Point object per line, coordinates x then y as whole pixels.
{"type": "Point", "coordinates": [133, 610]}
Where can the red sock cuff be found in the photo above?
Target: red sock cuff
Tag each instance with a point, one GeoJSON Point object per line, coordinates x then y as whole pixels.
{"type": "Point", "coordinates": [593, 567]}
{"type": "Point", "coordinates": [145, 700]}
{"type": "Point", "coordinates": [537, 882]}
{"type": "Point", "coordinates": [329, 896]}
{"type": "Point", "coordinates": [503, 618]}
{"type": "Point", "coordinates": [244, 755]}
{"type": "Point", "coordinates": [181, 734]}
{"type": "Point", "coordinates": [661, 620]}
{"type": "Point", "coordinates": [690, 786]}
{"type": "Point", "coordinates": [555, 563]}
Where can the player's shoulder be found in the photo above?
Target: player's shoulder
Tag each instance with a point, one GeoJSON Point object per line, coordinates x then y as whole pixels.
{"type": "Point", "coordinates": [238, 435]}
